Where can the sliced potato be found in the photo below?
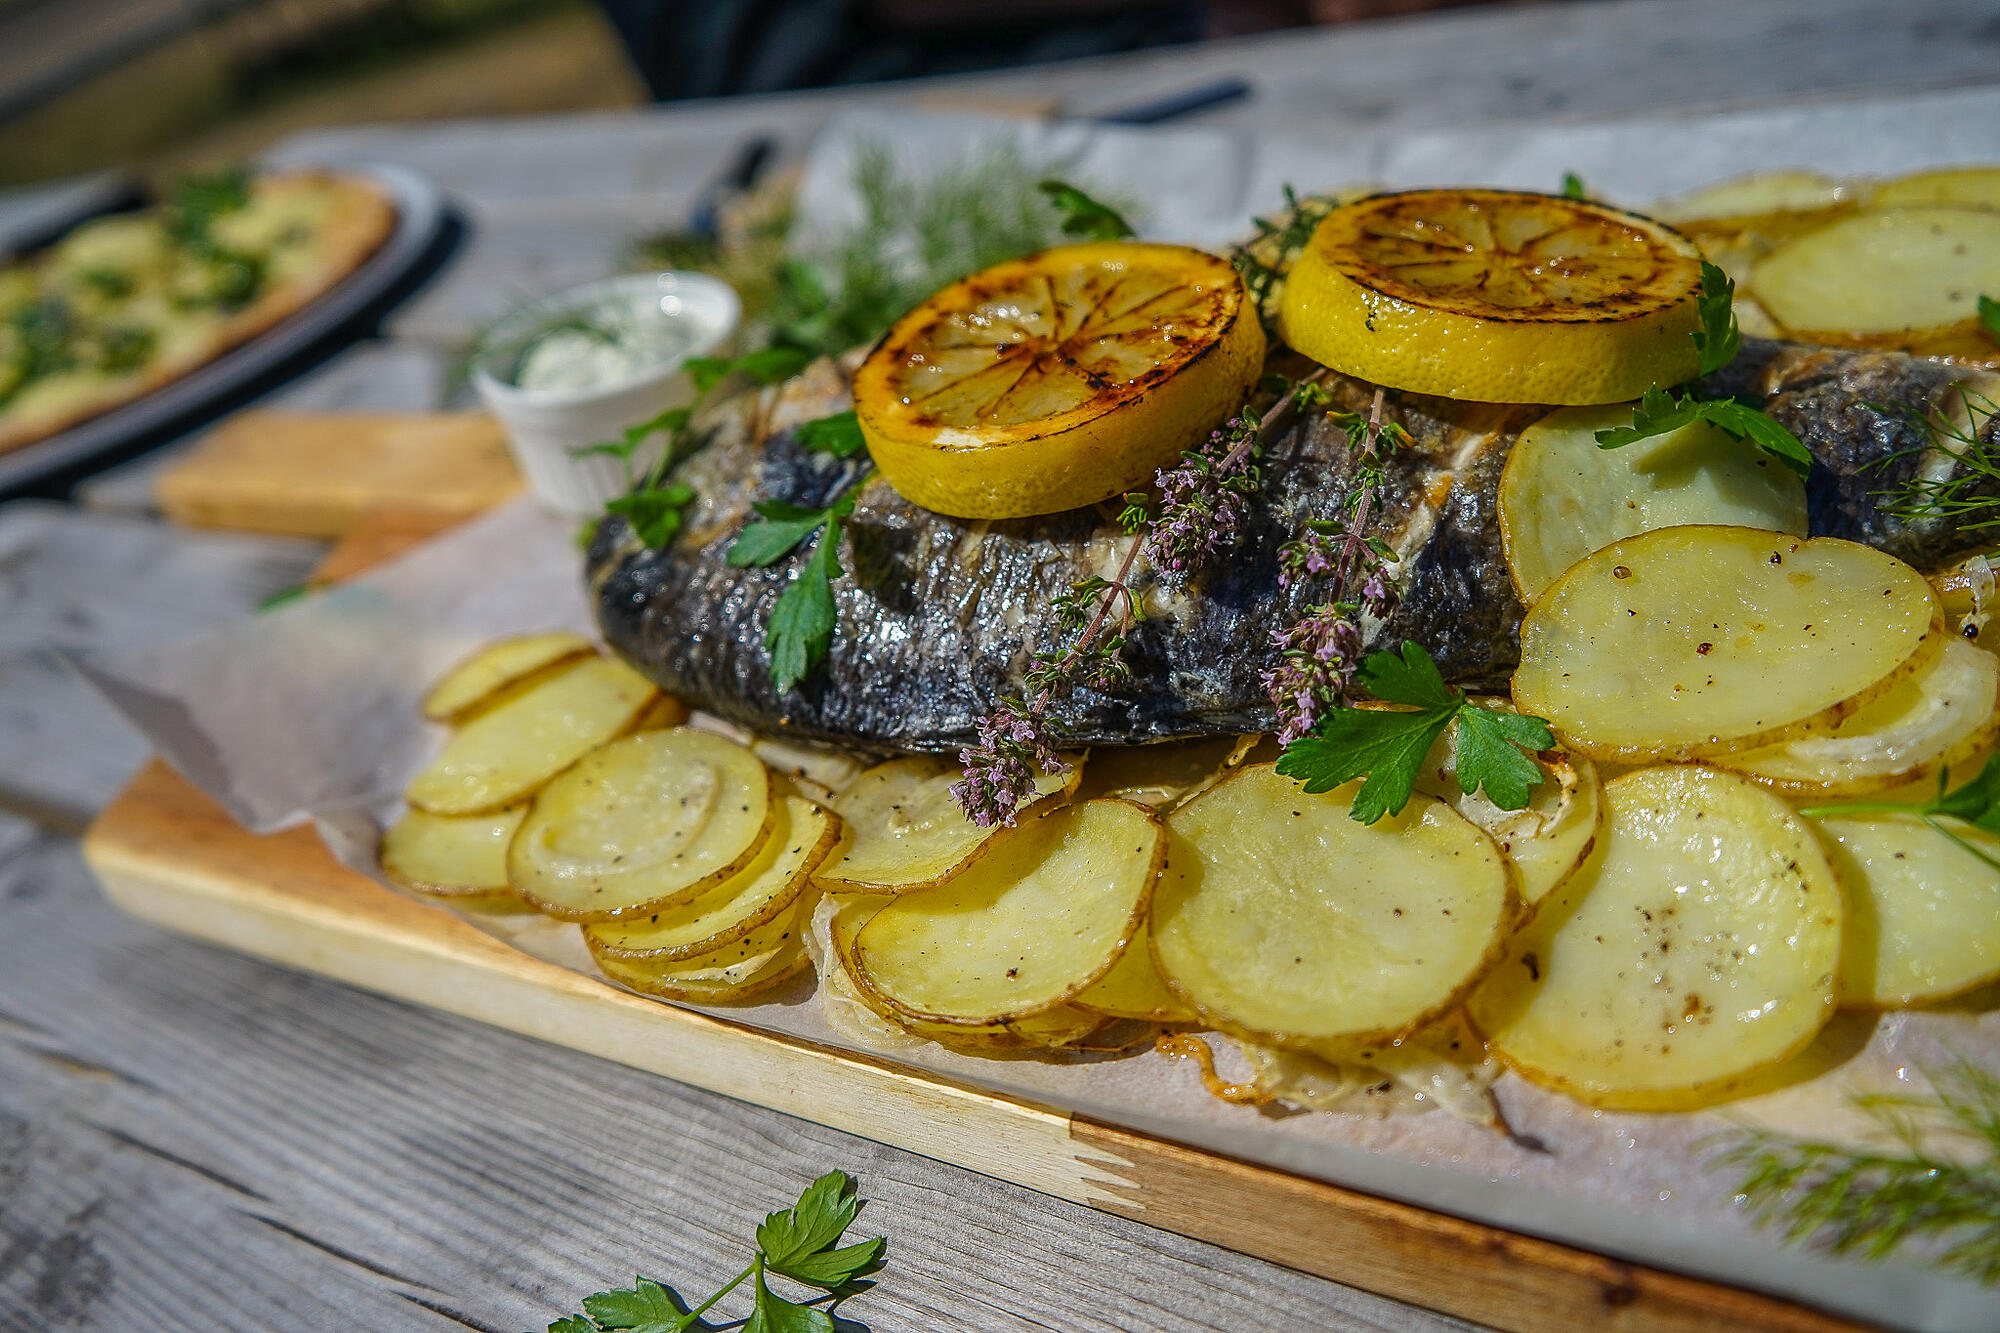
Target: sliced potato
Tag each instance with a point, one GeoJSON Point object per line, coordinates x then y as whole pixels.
{"type": "Point", "coordinates": [1690, 641]}
{"type": "Point", "coordinates": [1026, 927]}
{"type": "Point", "coordinates": [802, 834]}
{"type": "Point", "coordinates": [508, 751]}
{"type": "Point", "coordinates": [665, 711]}
{"type": "Point", "coordinates": [1923, 913]}
{"type": "Point", "coordinates": [460, 857]}
{"type": "Point", "coordinates": [1697, 946]}
{"type": "Point", "coordinates": [1133, 988]}
{"type": "Point", "coordinates": [1279, 915]}
{"type": "Point", "coordinates": [1883, 272]}
{"type": "Point", "coordinates": [1746, 196]}
{"type": "Point", "coordinates": [1156, 775]}
{"type": "Point", "coordinates": [1545, 841]}
{"type": "Point", "coordinates": [1963, 187]}
{"type": "Point", "coordinates": [496, 666]}
{"type": "Point", "coordinates": [906, 830]}
{"type": "Point", "coordinates": [1562, 497]}
{"type": "Point", "coordinates": [1942, 715]}
{"type": "Point", "coordinates": [646, 823]}
{"type": "Point", "coordinates": [823, 771]}
{"type": "Point", "coordinates": [738, 971]}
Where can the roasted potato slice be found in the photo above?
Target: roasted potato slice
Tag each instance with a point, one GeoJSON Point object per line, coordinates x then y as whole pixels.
{"type": "Point", "coordinates": [509, 751]}
{"type": "Point", "coordinates": [1025, 928]}
{"type": "Point", "coordinates": [462, 858]}
{"type": "Point", "coordinates": [466, 686]}
{"type": "Point", "coordinates": [1282, 918]}
{"type": "Point", "coordinates": [802, 834]}
{"type": "Point", "coordinates": [1961, 187]}
{"type": "Point", "coordinates": [1156, 775]}
{"type": "Point", "coordinates": [740, 970]}
{"type": "Point", "coordinates": [906, 830]}
{"type": "Point", "coordinates": [1943, 715]}
{"type": "Point", "coordinates": [1548, 839]}
{"type": "Point", "coordinates": [1749, 196]}
{"type": "Point", "coordinates": [1883, 273]}
{"type": "Point", "coordinates": [1923, 913]}
{"type": "Point", "coordinates": [1691, 641]}
{"type": "Point", "coordinates": [1562, 497]}
{"type": "Point", "coordinates": [1697, 946]}
{"type": "Point", "coordinates": [1133, 988]}
{"type": "Point", "coordinates": [646, 823]}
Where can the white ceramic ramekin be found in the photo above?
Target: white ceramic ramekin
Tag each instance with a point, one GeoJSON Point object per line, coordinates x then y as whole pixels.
{"type": "Point", "coordinates": [545, 427]}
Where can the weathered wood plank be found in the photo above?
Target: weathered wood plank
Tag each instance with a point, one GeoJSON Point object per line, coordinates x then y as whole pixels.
{"type": "Point", "coordinates": [190, 1139]}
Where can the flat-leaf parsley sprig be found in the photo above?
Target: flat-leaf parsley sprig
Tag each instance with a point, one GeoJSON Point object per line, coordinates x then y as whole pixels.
{"type": "Point", "coordinates": [1871, 1203]}
{"type": "Point", "coordinates": [801, 1243]}
{"type": "Point", "coordinates": [1716, 342]}
{"type": "Point", "coordinates": [1495, 749]}
{"type": "Point", "coordinates": [1320, 652]}
{"type": "Point", "coordinates": [802, 622]}
{"type": "Point", "coordinates": [1199, 512]}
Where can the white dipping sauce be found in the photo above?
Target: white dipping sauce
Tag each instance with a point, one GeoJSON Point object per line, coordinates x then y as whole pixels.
{"type": "Point", "coordinates": [607, 345]}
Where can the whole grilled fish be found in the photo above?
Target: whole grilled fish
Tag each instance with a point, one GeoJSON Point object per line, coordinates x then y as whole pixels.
{"type": "Point", "coordinates": [937, 615]}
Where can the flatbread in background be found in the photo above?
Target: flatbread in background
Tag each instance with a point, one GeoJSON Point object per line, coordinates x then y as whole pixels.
{"type": "Point", "coordinates": [119, 284]}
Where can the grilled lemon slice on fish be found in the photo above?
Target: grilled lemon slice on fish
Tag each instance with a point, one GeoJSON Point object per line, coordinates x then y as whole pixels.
{"type": "Point", "coordinates": [1496, 296]}
{"type": "Point", "coordinates": [1058, 380]}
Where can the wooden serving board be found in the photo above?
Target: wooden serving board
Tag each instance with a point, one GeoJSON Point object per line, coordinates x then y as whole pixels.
{"type": "Point", "coordinates": [166, 853]}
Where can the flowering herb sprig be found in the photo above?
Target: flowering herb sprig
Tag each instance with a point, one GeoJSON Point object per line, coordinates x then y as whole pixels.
{"type": "Point", "coordinates": [1201, 509]}
{"type": "Point", "coordinates": [1322, 649]}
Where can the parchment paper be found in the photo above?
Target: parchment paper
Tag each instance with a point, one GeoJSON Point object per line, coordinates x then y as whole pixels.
{"type": "Point", "coordinates": [311, 711]}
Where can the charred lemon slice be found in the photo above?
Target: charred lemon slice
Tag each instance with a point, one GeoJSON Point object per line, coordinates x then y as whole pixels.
{"type": "Point", "coordinates": [1496, 296]}
{"type": "Point", "coordinates": [1057, 380]}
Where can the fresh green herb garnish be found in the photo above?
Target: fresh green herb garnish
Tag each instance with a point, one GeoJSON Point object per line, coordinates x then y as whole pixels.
{"type": "Point", "coordinates": [1976, 803]}
{"type": "Point", "coordinates": [1267, 256]}
{"type": "Point", "coordinates": [803, 619]}
{"type": "Point", "coordinates": [1716, 342]}
{"type": "Point", "coordinates": [769, 365]}
{"type": "Point", "coordinates": [654, 511]}
{"type": "Point", "coordinates": [1966, 494]}
{"type": "Point", "coordinates": [1389, 745]}
{"type": "Point", "coordinates": [1572, 186]}
{"type": "Point", "coordinates": [837, 436]}
{"type": "Point", "coordinates": [1083, 216]}
{"type": "Point", "coordinates": [1869, 1203]}
{"type": "Point", "coordinates": [113, 284]}
{"type": "Point", "coordinates": [1660, 412]}
{"type": "Point", "coordinates": [801, 1243]}
{"type": "Point", "coordinates": [1989, 317]}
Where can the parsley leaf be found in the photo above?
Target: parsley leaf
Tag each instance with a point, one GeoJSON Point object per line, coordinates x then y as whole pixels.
{"type": "Point", "coordinates": [673, 421]}
{"type": "Point", "coordinates": [1989, 317]}
{"type": "Point", "coordinates": [1389, 745]}
{"type": "Point", "coordinates": [1083, 216]}
{"type": "Point", "coordinates": [1660, 413]}
{"type": "Point", "coordinates": [1719, 339]}
{"type": "Point", "coordinates": [782, 527]}
{"type": "Point", "coordinates": [1716, 345]}
{"type": "Point", "coordinates": [654, 512]}
{"type": "Point", "coordinates": [838, 436]}
{"type": "Point", "coordinates": [1491, 745]}
{"type": "Point", "coordinates": [799, 1243]}
{"type": "Point", "coordinates": [767, 366]}
{"type": "Point", "coordinates": [775, 1314]}
{"type": "Point", "coordinates": [802, 620]}
{"type": "Point", "coordinates": [1572, 186]}
{"type": "Point", "coordinates": [647, 1307]}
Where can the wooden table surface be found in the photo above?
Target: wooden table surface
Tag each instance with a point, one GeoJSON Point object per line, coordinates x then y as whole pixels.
{"type": "Point", "coordinates": [191, 1139]}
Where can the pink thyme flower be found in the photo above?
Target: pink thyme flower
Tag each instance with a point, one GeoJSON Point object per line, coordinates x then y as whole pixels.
{"type": "Point", "coordinates": [1000, 765]}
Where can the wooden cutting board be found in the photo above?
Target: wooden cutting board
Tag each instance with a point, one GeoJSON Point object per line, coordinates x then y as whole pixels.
{"type": "Point", "coordinates": [316, 474]}
{"type": "Point", "coordinates": [165, 852]}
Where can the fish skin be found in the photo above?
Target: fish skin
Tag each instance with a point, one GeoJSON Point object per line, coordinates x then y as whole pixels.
{"type": "Point", "coordinates": [935, 614]}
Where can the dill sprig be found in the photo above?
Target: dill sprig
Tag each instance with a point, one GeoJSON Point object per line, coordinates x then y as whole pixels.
{"type": "Point", "coordinates": [1970, 496]}
{"type": "Point", "coordinates": [1870, 1203]}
